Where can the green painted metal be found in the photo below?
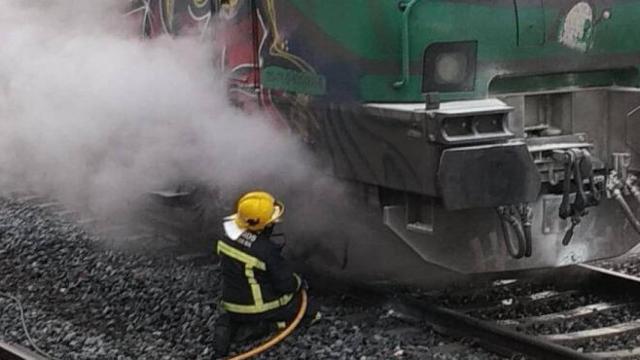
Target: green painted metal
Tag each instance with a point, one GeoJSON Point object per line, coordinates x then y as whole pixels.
{"type": "Point", "coordinates": [530, 23]}
{"type": "Point", "coordinates": [274, 77]}
{"type": "Point", "coordinates": [605, 78]}
{"type": "Point", "coordinates": [369, 29]}
{"type": "Point", "coordinates": [372, 31]}
{"type": "Point", "coordinates": [405, 44]}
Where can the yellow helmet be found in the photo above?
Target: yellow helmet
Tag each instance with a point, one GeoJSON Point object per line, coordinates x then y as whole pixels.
{"type": "Point", "coordinates": [256, 210]}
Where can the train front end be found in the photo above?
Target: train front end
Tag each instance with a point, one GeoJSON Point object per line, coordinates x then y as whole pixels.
{"type": "Point", "coordinates": [483, 136]}
{"type": "Point", "coordinates": [491, 136]}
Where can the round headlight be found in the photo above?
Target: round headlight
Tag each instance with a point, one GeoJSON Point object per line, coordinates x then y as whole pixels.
{"type": "Point", "coordinates": [451, 68]}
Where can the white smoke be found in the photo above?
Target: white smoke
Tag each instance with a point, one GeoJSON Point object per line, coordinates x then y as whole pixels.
{"type": "Point", "coordinates": [97, 116]}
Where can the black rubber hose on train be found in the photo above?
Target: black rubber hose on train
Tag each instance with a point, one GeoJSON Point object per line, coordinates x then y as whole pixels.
{"type": "Point", "coordinates": [528, 240]}
{"type": "Point", "coordinates": [526, 215]}
{"type": "Point", "coordinates": [516, 251]}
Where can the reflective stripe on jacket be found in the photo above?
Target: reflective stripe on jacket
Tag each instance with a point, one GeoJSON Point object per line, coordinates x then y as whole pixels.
{"type": "Point", "coordinates": [256, 278]}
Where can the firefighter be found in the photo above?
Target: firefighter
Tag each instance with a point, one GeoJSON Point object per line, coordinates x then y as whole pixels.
{"type": "Point", "coordinates": [260, 291]}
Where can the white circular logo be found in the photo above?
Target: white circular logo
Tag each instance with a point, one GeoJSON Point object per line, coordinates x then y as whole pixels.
{"type": "Point", "coordinates": [577, 28]}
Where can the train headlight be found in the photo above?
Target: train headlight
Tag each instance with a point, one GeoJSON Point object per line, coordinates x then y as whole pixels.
{"type": "Point", "coordinates": [450, 67]}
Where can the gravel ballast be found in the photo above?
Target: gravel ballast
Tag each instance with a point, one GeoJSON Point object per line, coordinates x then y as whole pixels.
{"type": "Point", "coordinates": [84, 302]}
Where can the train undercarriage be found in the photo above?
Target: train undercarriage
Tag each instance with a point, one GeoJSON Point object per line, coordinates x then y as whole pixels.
{"type": "Point", "coordinates": [502, 200]}
{"type": "Point", "coordinates": [517, 182]}
{"type": "Point", "coordinates": [523, 154]}
{"type": "Point", "coordinates": [571, 194]}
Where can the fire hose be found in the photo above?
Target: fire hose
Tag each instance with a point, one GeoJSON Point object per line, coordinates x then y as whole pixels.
{"type": "Point", "coordinates": [251, 353]}
{"type": "Point", "coordinates": [25, 328]}
{"type": "Point", "coordinates": [281, 336]}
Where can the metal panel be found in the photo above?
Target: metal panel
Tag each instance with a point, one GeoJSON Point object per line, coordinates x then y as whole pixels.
{"type": "Point", "coordinates": [590, 116]}
{"type": "Point", "coordinates": [469, 241]}
{"type": "Point", "coordinates": [379, 146]}
{"type": "Point", "coordinates": [530, 17]}
{"type": "Point", "coordinates": [488, 176]}
{"type": "Point", "coordinates": [625, 124]}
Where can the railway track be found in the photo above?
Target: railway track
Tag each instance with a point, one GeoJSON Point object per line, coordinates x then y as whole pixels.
{"type": "Point", "coordinates": [578, 312]}
{"type": "Point", "coordinates": [16, 352]}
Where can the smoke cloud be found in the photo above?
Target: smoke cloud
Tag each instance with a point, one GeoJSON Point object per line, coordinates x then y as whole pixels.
{"type": "Point", "coordinates": [96, 116]}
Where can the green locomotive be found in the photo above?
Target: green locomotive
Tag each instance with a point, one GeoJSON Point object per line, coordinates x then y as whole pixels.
{"type": "Point", "coordinates": [488, 136]}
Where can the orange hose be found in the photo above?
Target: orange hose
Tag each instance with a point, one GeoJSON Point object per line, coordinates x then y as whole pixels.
{"type": "Point", "coordinates": [281, 336]}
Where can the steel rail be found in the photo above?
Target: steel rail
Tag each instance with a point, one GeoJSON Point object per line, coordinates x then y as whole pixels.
{"type": "Point", "coordinates": [16, 352]}
{"type": "Point", "coordinates": [498, 338]}
{"type": "Point", "coordinates": [504, 338]}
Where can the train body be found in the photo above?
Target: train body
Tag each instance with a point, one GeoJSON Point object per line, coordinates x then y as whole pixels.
{"type": "Point", "coordinates": [485, 136]}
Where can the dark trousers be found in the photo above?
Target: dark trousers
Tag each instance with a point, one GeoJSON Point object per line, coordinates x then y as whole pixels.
{"type": "Point", "coordinates": [250, 327]}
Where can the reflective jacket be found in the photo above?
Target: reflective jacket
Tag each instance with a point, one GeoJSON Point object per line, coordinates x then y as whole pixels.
{"type": "Point", "coordinates": [256, 278]}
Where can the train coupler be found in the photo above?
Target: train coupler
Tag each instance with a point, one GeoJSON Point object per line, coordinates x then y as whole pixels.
{"type": "Point", "coordinates": [578, 170]}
